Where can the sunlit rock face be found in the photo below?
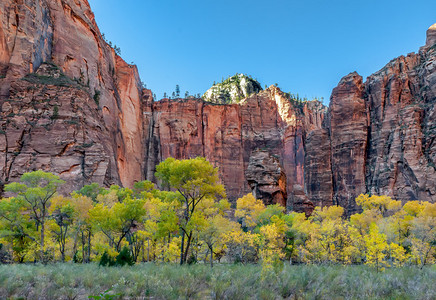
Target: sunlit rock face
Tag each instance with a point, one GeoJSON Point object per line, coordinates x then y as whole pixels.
{"type": "Point", "coordinates": [232, 90]}
{"type": "Point", "coordinates": [431, 36]}
{"type": "Point", "coordinates": [70, 105]}
{"type": "Point", "coordinates": [100, 105]}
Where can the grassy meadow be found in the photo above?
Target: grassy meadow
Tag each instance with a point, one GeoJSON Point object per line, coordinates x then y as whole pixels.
{"type": "Point", "coordinates": [171, 281]}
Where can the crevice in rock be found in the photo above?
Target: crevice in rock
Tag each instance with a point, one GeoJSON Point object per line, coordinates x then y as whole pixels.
{"type": "Point", "coordinates": [66, 147]}
{"type": "Point", "coordinates": [70, 169]}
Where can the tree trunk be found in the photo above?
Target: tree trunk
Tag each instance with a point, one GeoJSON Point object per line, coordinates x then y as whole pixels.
{"type": "Point", "coordinates": [62, 245]}
{"type": "Point", "coordinates": [89, 246]}
{"type": "Point", "coordinates": [83, 248]}
{"type": "Point", "coordinates": [182, 260]}
{"type": "Point", "coordinates": [148, 250]}
{"type": "Point", "coordinates": [76, 236]}
{"type": "Point", "coordinates": [185, 256]}
{"type": "Point", "coordinates": [211, 256]}
{"type": "Point", "coordinates": [42, 239]}
{"type": "Point", "coordinates": [143, 254]}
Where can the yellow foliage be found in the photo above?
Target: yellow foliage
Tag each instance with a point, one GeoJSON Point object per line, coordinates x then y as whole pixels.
{"type": "Point", "coordinates": [398, 254]}
{"type": "Point", "coordinates": [249, 208]}
{"type": "Point", "coordinates": [380, 203]}
{"type": "Point", "coordinates": [376, 248]}
{"type": "Point", "coordinates": [152, 223]}
{"type": "Point", "coordinates": [413, 208]}
{"type": "Point", "coordinates": [330, 213]}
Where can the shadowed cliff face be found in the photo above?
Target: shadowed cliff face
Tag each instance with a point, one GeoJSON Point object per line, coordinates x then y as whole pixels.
{"type": "Point", "coordinates": [401, 146]}
{"type": "Point", "coordinates": [383, 131]}
{"type": "Point", "coordinates": [70, 105]}
{"type": "Point", "coordinates": [348, 135]}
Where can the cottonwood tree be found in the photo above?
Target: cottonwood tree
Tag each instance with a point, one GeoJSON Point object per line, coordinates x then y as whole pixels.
{"type": "Point", "coordinates": [196, 180]}
{"type": "Point", "coordinates": [217, 226]}
{"type": "Point", "coordinates": [376, 248]}
{"type": "Point", "coordinates": [423, 234]}
{"type": "Point", "coordinates": [119, 221]}
{"type": "Point", "coordinates": [16, 228]}
{"type": "Point", "coordinates": [35, 191]}
{"type": "Point", "coordinates": [62, 213]}
{"type": "Point", "coordinates": [82, 225]}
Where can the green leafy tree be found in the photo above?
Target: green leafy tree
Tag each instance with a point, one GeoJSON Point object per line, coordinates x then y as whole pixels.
{"type": "Point", "coordinates": [124, 257]}
{"type": "Point", "coordinates": [196, 180]}
{"type": "Point", "coordinates": [17, 228]}
{"type": "Point", "coordinates": [91, 191]}
{"type": "Point", "coordinates": [118, 221]}
{"type": "Point", "coordinates": [62, 212]}
{"type": "Point", "coordinates": [35, 191]}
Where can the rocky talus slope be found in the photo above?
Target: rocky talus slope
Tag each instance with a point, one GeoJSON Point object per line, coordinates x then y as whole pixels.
{"type": "Point", "coordinates": [70, 105]}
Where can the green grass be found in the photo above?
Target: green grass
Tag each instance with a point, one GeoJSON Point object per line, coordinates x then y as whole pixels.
{"type": "Point", "coordinates": [167, 281]}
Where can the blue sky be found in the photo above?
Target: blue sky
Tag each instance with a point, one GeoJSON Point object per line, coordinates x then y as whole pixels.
{"type": "Point", "coordinates": [304, 46]}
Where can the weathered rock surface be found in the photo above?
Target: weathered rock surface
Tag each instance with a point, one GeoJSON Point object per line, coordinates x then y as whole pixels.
{"type": "Point", "coordinates": [70, 105]}
{"type": "Point", "coordinates": [318, 168]}
{"type": "Point", "coordinates": [64, 33]}
{"type": "Point", "coordinates": [431, 36]}
{"type": "Point", "coordinates": [348, 135]}
{"type": "Point", "coordinates": [300, 201]}
{"type": "Point", "coordinates": [383, 131]}
{"type": "Point", "coordinates": [266, 178]}
{"type": "Point", "coordinates": [50, 122]}
{"type": "Point", "coordinates": [401, 102]}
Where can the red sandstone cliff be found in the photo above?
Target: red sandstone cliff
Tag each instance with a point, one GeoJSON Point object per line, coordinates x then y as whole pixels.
{"type": "Point", "coordinates": [70, 105]}
{"type": "Point", "coordinates": [228, 135]}
{"type": "Point", "coordinates": [64, 33]}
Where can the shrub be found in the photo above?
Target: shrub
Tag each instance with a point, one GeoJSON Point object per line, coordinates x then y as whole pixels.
{"type": "Point", "coordinates": [106, 260]}
{"type": "Point", "coordinates": [192, 260]}
{"type": "Point", "coordinates": [124, 258]}
{"type": "Point", "coordinates": [5, 257]}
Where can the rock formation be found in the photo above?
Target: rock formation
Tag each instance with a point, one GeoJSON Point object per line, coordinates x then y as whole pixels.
{"type": "Point", "coordinates": [101, 102]}
{"type": "Point", "coordinates": [266, 178]}
{"type": "Point", "coordinates": [232, 90]}
{"type": "Point", "coordinates": [348, 136]}
{"type": "Point", "coordinates": [300, 201]}
{"type": "Point", "coordinates": [70, 105]}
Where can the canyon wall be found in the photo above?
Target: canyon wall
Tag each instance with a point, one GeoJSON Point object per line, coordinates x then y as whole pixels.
{"type": "Point", "coordinates": [97, 132]}
{"type": "Point", "coordinates": [70, 105]}
{"type": "Point", "coordinates": [229, 136]}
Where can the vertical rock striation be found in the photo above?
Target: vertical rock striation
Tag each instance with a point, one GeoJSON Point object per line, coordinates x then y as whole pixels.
{"type": "Point", "coordinates": [348, 134]}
